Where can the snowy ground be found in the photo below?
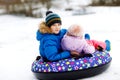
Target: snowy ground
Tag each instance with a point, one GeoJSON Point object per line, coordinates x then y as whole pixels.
{"type": "Point", "coordinates": [19, 47]}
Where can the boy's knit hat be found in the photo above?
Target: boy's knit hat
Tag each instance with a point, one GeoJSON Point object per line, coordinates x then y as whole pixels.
{"type": "Point", "coordinates": [52, 18]}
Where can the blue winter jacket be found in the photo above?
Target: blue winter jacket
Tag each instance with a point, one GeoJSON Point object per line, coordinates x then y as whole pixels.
{"type": "Point", "coordinates": [50, 47]}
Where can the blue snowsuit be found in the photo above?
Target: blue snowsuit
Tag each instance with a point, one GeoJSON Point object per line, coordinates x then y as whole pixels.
{"type": "Point", "coordinates": [50, 48]}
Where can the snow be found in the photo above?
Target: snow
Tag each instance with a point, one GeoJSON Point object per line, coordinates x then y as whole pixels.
{"type": "Point", "coordinates": [19, 47]}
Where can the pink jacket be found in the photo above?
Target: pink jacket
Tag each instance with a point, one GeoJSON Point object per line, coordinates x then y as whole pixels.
{"type": "Point", "coordinates": [75, 43]}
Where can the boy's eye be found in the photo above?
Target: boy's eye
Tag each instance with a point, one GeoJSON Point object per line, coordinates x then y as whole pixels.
{"type": "Point", "coordinates": [54, 25]}
{"type": "Point", "coordinates": [57, 24]}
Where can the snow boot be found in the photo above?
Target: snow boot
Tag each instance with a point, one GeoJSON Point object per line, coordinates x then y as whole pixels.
{"type": "Point", "coordinates": [87, 36]}
{"type": "Point", "coordinates": [108, 45]}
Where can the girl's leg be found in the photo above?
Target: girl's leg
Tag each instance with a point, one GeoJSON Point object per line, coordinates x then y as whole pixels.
{"type": "Point", "coordinates": [99, 45]}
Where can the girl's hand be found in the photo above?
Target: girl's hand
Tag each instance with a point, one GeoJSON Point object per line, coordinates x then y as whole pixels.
{"type": "Point", "coordinates": [74, 54]}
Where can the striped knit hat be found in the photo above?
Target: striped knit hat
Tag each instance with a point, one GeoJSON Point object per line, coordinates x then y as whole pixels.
{"type": "Point", "coordinates": [52, 18]}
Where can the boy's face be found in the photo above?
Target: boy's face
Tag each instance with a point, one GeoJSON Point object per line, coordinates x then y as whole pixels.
{"type": "Point", "coordinates": [55, 28]}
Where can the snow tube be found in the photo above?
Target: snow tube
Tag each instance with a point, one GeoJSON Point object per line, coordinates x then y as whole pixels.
{"type": "Point", "coordinates": [72, 68]}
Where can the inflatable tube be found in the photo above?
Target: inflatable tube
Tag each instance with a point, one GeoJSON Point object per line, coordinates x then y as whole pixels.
{"type": "Point", "coordinates": [72, 68]}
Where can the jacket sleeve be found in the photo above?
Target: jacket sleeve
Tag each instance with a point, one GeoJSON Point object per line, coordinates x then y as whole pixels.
{"type": "Point", "coordinates": [52, 53]}
{"type": "Point", "coordinates": [62, 33]}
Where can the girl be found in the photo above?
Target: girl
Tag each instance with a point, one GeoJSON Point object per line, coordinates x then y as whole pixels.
{"type": "Point", "coordinates": [73, 40]}
{"type": "Point", "coordinates": [50, 34]}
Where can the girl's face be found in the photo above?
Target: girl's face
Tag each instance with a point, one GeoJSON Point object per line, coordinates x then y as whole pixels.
{"type": "Point", "coordinates": [55, 28]}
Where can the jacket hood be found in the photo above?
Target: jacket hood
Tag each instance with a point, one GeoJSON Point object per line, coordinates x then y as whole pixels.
{"type": "Point", "coordinates": [39, 35]}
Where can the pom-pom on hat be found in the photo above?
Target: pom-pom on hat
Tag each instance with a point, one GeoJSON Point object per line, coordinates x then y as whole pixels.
{"type": "Point", "coordinates": [52, 18]}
